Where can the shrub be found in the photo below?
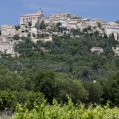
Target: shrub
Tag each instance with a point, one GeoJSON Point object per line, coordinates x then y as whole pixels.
{"type": "Point", "coordinates": [66, 111]}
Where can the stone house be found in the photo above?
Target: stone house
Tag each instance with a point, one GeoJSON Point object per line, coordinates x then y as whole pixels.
{"type": "Point", "coordinates": [109, 30]}
{"type": "Point", "coordinates": [30, 20]}
{"type": "Point", "coordinates": [97, 50]}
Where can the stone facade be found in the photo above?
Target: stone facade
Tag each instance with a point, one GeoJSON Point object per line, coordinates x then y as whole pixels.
{"type": "Point", "coordinates": [97, 50]}
{"type": "Point", "coordinates": [61, 16]}
{"type": "Point", "coordinates": [67, 20]}
{"type": "Point", "coordinates": [7, 47]}
{"type": "Point", "coordinates": [98, 20]}
{"type": "Point", "coordinates": [116, 50]}
{"type": "Point", "coordinates": [8, 31]}
{"type": "Point", "coordinates": [112, 30]}
{"type": "Point", "coordinates": [30, 19]}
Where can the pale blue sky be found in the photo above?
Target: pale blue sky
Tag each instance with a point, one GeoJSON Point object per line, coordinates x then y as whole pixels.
{"type": "Point", "coordinates": [11, 10]}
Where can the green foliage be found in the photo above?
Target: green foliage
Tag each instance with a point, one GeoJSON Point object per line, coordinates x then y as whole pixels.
{"type": "Point", "coordinates": [96, 33]}
{"type": "Point", "coordinates": [34, 35]}
{"type": "Point", "coordinates": [89, 28]}
{"type": "Point", "coordinates": [95, 91]}
{"type": "Point", "coordinates": [117, 21]}
{"type": "Point", "coordinates": [58, 24]}
{"type": "Point", "coordinates": [111, 89]}
{"type": "Point", "coordinates": [10, 80]}
{"type": "Point", "coordinates": [99, 24]}
{"type": "Point", "coordinates": [66, 111]}
{"type": "Point", "coordinates": [17, 27]}
{"type": "Point", "coordinates": [42, 25]}
{"type": "Point", "coordinates": [16, 37]}
{"type": "Point", "coordinates": [44, 82]}
{"type": "Point", "coordinates": [9, 99]}
{"type": "Point", "coordinates": [85, 30]}
{"type": "Point", "coordinates": [66, 54]}
{"type": "Point", "coordinates": [58, 28]}
{"type": "Point", "coordinates": [72, 63]}
{"type": "Point", "coordinates": [72, 88]}
{"type": "Point", "coordinates": [75, 31]}
{"type": "Point", "coordinates": [27, 48]}
{"type": "Point", "coordinates": [29, 35]}
{"type": "Point", "coordinates": [42, 35]}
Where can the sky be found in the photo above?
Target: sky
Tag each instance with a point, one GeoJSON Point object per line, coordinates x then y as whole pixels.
{"type": "Point", "coordinates": [11, 10]}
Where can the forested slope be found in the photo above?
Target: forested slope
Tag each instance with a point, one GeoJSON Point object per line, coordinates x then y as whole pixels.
{"type": "Point", "coordinates": [65, 66]}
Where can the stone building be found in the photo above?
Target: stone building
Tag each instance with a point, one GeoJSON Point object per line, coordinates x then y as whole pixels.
{"type": "Point", "coordinates": [72, 23]}
{"type": "Point", "coordinates": [61, 16]}
{"type": "Point", "coordinates": [30, 19]}
{"type": "Point", "coordinates": [98, 20]}
{"type": "Point", "coordinates": [7, 47]}
{"type": "Point", "coordinates": [112, 30]}
{"type": "Point", "coordinates": [97, 50]}
{"type": "Point", "coordinates": [116, 50]}
{"type": "Point", "coordinates": [86, 19]}
{"type": "Point", "coordinates": [82, 25]}
{"type": "Point", "coordinates": [7, 31]}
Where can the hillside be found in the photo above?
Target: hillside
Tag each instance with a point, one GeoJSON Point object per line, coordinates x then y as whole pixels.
{"type": "Point", "coordinates": [61, 67]}
{"type": "Point", "coordinates": [66, 54]}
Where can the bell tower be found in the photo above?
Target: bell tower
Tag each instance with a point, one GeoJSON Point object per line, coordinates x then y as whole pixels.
{"type": "Point", "coordinates": [40, 12]}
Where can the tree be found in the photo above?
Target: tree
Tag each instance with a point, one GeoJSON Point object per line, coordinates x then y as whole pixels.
{"type": "Point", "coordinates": [95, 66]}
{"type": "Point", "coordinates": [95, 91]}
{"type": "Point", "coordinates": [10, 99]}
{"type": "Point", "coordinates": [89, 27]}
{"type": "Point", "coordinates": [29, 35]}
{"type": "Point", "coordinates": [34, 35]}
{"type": "Point", "coordinates": [17, 27]}
{"type": "Point", "coordinates": [99, 24]}
{"type": "Point", "coordinates": [105, 36]}
{"type": "Point", "coordinates": [73, 88]}
{"type": "Point", "coordinates": [111, 89]}
{"type": "Point", "coordinates": [16, 37]}
{"type": "Point", "coordinates": [75, 31]}
{"type": "Point", "coordinates": [96, 33]}
{"type": "Point", "coordinates": [117, 21]}
{"type": "Point", "coordinates": [58, 24]}
{"type": "Point", "coordinates": [10, 80]}
{"type": "Point", "coordinates": [42, 25]}
{"type": "Point", "coordinates": [84, 72]}
{"type": "Point", "coordinates": [44, 82]}
{"type": "Point", "coordinates": [85, 30]}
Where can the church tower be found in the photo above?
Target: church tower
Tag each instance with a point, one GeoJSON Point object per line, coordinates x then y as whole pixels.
{"type": "Point", "coordinates": [40, 12]}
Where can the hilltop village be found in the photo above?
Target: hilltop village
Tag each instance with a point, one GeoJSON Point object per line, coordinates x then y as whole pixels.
{"type": "Point", "coordinates": [38, 27]}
